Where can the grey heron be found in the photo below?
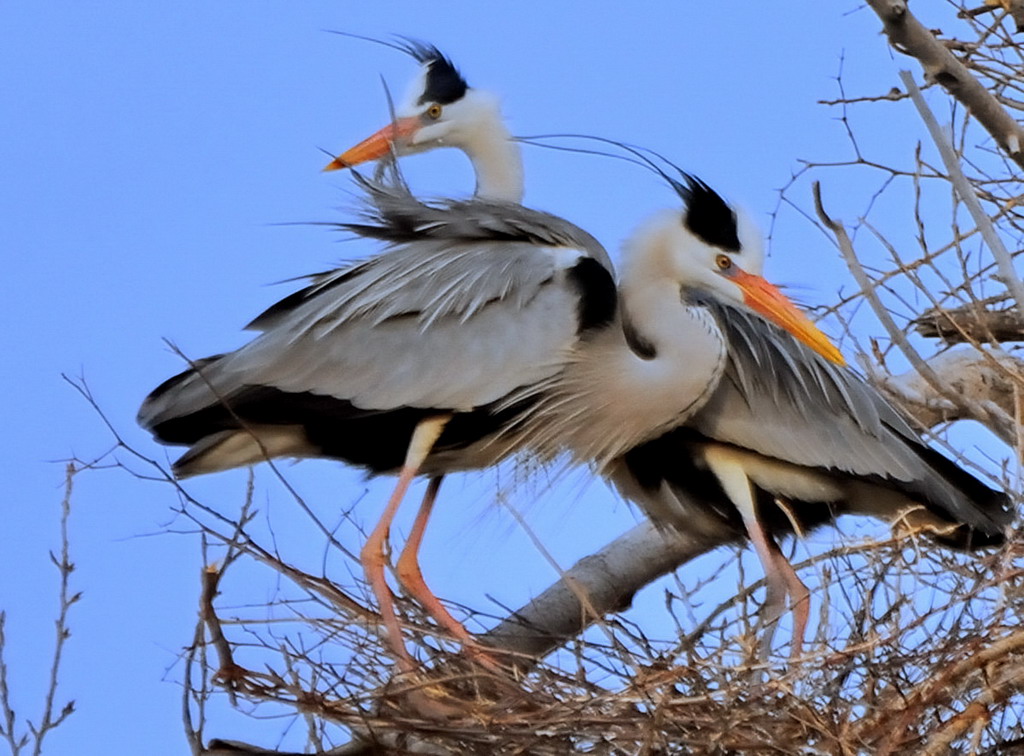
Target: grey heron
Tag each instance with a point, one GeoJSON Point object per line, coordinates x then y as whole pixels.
{"type": "Point", "coordinates": [732, 411]}
{"type": "Point", "coordinates": [403, 363]}
{"type": "Point", "coordinates": [442, 110]}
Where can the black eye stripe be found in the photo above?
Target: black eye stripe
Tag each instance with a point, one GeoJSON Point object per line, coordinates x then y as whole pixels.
{"type": "Point", "coordinates": [444, 83]}
{"type": "Point", "coordinates": [708, 216]}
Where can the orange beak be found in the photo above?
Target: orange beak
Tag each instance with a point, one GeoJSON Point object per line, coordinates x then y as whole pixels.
{"type": "Point", "coordinates": [377, 145]}
{"type": "Point", "coordinates": [766, 299]}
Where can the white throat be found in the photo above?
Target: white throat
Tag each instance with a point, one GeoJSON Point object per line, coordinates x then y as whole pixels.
{"type": "Point", "coordinates": [634, 381]}
{"type": "Point", "coordinates": [498, 163]}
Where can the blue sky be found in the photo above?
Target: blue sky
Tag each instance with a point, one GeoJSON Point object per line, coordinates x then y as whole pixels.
{"type": "Point", "coordinates": [150, 152]}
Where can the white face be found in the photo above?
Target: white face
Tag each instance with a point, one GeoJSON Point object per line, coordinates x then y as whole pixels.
{"type": "Point", "coordinates": [457, 124]}
{"type": "Point", "coordinates": [665, 258]}
{"type": "Point", "coordinates": [666, 248]}
{"type": "Point", "coordinates": [707, 266]}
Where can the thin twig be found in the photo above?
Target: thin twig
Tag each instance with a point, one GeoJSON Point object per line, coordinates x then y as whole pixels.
{"type": "Point", "coordinates": [65, 567]}
{"type": "Point", "coordinates": [963, 188]}
{"type": "Point", "coordinates": [992, 416]}
{"type": "Point", "coordinates": [10, 721]}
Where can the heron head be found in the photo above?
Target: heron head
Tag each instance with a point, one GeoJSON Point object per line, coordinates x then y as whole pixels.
{"type": "Point", "coordinates": [439, 110]}
{"type": "Point", "coordinates": [713, 250]}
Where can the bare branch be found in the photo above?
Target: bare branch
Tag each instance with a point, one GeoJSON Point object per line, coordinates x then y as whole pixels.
{"type": "Point", "coordinates": [51, 718]}
{"type": "Point", "coordinates": [970, 324]}
{"type": "Point", "coordinates": [211, 575]}
{"type": "Point", "coordinates": [9, 726]}
{"type": "Point", "coordinates": [65, 567]}
{"type": "Point", "coordinates": [1007, 273]}
{"type": "Point", "coordinates": [907, 35]}
{"type": "Point", "coordinates": [608, 579]}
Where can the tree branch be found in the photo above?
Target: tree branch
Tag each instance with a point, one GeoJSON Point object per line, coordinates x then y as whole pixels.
{"type": "Point", "coordinates": [65, 567]}
{"type": "Point", "coordinates": [51, 718]}
{"type": "Point", "coordinates": [980, 377]}
{"type": "Point", "coordinates": [995, 245]}
{"type": "Point", "coordinates": [970, 324]}
{"type": "Point", "coordinates": [908, 36]}
{"type": "Point", "coordinates": [608, 579]}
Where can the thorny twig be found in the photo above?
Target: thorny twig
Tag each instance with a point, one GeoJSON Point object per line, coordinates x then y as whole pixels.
{"type": "Point", "coordinates": [51, 718]}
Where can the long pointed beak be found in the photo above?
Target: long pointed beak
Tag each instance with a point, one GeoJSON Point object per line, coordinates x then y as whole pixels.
{"type": "Point", "coordinates": [377, 145]}
{"type": "Point", "coordinates": [767, 300]}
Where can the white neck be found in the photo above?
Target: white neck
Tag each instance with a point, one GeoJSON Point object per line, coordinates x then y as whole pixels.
{"type": "Point", "coordinates": [634, 382]}
{"type": "Point", "coordinates": [498, 163]}
{"type": "Point", "coordinates": [672, 354]}
{"type": "Point", "coordinates": [651, 300]}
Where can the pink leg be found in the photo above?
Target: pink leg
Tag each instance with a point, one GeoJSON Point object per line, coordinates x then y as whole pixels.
{"type": "Point", "coordinates": [776, 587]}
{"type": "Point", "coordinates": [799, 603]}
{"type": "Point", "coordinates": [782, 581]}
{"type": "Point", "coordinates": [372, 555]}
{"type": "Point", "coordinates": [411, 577]}
{"type": "Point", "coordinates": [781, 578]}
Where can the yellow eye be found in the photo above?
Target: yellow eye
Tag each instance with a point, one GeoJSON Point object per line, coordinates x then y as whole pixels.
{"type": "Point", "coordinates": [724, 262]}
{"type": "Point", "coordinates": [434, 111]}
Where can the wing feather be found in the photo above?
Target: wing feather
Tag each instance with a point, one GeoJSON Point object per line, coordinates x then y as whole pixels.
{"type": "Point", "coordinates": [783, 400]}
{"type": "Point", "coordinates": [472, 301]}
{"type": "Point", "coordinates": [809, 412]}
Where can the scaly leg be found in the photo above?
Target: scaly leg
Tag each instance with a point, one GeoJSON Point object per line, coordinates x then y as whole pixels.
{"type": "Point", "coordinates": [411, 578]}
{"type": "Point", "coordinates": [372, 555]}
{"type": "Point", "coordinates": [781, 579]}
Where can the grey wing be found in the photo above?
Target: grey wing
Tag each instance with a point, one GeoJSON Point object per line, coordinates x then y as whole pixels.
{"type": "Point", "coordinates": [781, 399]}
{"type": "Point", "coordinates": [426, 325]}
{"type": "Point", "coordinates": [449, 258]}
{"type": "Point", "coordinates": [427, 281]}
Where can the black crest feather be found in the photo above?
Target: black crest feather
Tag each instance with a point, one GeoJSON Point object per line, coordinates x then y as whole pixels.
{"type": "Point", "coordinates": [444, 84]}
{"type": "Point", "coordinates": [707, 215]}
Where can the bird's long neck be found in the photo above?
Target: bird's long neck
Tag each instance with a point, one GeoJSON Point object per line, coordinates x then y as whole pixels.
{"type": "Point", "coordinates": [634, 382]}
{"type": "Point", "coordinates": [673, 345]}
{"type": "Point", "coordinates": [671, 352]}
{"type": "Point", "coordinates": [498, 163]}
